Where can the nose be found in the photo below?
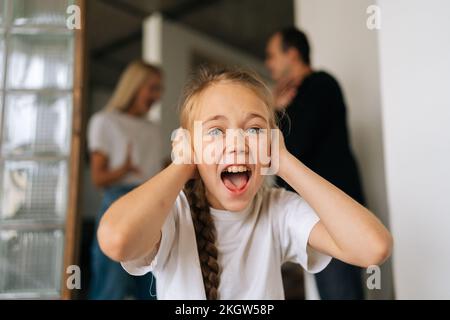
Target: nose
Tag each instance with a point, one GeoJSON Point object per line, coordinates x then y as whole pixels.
{"type": "Point", "coordinates": [236, 147]}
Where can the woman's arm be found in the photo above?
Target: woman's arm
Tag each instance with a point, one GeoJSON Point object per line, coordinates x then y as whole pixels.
{"type": "Point", "coordinates": [103, 176]}
{"type": "Point", "coordinates": [131, 227]}
{"type": "Point", "coordinates": [347, 230]}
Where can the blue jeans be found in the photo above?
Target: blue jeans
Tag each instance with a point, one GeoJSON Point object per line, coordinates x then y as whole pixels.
{"type": "Point", "coordinates": [340, 281]}
{"type": "Point", "coordinates": [109, 280]}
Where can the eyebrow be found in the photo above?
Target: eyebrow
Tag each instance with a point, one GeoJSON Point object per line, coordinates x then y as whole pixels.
{"type": "Point", "coordinates": [247, 118]}
{"type": "Point", "coordinates": [255, 115]}
{"type": "Point", "coordinates": [216, 117]}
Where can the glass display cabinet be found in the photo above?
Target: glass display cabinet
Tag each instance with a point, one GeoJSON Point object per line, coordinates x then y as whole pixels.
{"type": "Point", "coordinates": [41, 117]}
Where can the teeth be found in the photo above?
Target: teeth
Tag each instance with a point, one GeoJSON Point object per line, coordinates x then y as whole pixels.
{"type": "Point", "coordinates": [234, 169]}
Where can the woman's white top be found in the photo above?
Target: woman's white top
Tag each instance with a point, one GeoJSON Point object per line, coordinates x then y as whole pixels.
{"type": "Point", "coordinates": [109, 132]}
{"type": "Point", "coordinates": [252, 246]}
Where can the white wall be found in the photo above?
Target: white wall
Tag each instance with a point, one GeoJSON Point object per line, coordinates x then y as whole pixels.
{"type": "Point", "coordinates": [171, 45]}
{"type": "Point", "coordinates": [342, 45]}
{"type": "Point", "coordinates": [415, 85]}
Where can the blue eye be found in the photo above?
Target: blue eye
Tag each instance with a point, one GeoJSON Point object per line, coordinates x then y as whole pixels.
{"type": "Point", "coordinates": [215, 132]}
{"type": "Point", "coordinates": [254, 130]}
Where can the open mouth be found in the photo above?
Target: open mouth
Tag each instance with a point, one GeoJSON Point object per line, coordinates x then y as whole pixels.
{"type": "Point", "coordinates": [236, 177]}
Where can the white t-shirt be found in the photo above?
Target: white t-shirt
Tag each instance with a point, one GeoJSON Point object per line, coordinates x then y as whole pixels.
{"type": "Point", "coordinates": [110, 132]}
{"type": "Point", "coordinates": [252, 246]}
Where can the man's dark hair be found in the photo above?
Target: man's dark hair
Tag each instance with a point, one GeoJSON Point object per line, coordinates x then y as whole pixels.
{"type": "Point", "coordinates": [291, 37]}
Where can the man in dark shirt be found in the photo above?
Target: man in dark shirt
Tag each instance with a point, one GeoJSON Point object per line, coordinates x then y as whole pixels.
{"type": "Point", "coordinates": [313, 122]}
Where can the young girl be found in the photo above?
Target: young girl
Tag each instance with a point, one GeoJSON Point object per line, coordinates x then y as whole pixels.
{"type": "Point", "coordinates": [214, 230]}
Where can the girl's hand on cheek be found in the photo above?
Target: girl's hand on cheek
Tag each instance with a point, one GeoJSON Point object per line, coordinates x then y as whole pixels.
{"type": "Point", "coordinates": [281, 144]}
{"type": "Point", "coordinates": [183, 152]}
{"type": "Point", "coordinates": [283, 154]}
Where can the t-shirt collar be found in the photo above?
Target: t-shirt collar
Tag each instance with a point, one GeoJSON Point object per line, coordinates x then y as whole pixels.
{"type": "Point", "coordinates": [232, 215]}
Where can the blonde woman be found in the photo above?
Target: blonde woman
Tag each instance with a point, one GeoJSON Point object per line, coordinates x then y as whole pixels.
{"type": "Point", "coordinates": [125, 152]}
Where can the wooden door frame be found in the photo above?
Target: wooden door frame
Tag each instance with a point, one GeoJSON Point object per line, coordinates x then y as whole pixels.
{"type": "Point", "coordinates": [73, 217]}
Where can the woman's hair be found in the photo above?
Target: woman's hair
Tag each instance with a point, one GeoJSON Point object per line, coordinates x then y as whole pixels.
{"type": "Point", "coordinates": [129, 83]}
{"type": "Point", "coordinates": [195, 190]}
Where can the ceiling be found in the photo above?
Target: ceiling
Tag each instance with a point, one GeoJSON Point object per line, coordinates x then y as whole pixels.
{"type": "Point", "coordinates": [115, 34]}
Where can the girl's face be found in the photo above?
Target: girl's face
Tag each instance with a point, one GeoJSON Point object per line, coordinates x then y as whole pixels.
{"type": "Point", "coordinates": [235, 126]}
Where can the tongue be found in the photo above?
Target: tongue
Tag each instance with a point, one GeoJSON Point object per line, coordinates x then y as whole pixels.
{"type": "Point", "coordinates": [235, 181]}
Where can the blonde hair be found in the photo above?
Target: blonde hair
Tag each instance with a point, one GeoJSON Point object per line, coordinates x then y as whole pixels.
{"type": "Point", "coordinates": [129, 83]}
{"type": "Point", "coordinates": [195, 190]}
{"type": "Point", "coordinates": [207, 76]}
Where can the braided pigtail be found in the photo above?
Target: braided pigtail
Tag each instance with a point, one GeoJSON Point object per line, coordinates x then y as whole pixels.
{"type": "Point", "coordinates": [205, 233]}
